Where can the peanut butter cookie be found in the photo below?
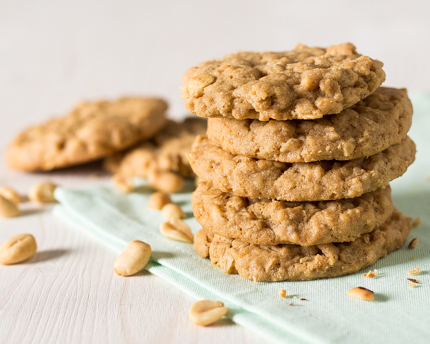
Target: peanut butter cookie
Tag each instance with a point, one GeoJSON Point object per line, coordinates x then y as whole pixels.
{"type": "Point", "coordinates": [91, 131]}
{"type": "Point", "coordinates": [368, 127]}
{"type": "Point", "coordinates": [271, 222]}
{"type": "Point", "coordinates": [300, 263]}
{"type": "Point", "coordinates": [314, 181]}
{"type": "Point", "coordinates": [304, 83]}
{"type": "Point", "coordinates": [166, 151]}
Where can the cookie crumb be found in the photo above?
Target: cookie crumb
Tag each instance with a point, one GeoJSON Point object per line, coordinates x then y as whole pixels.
{"type": "Point", "coordinates": [412, 285]}
{"type": "Point", "coordinates": [413, 243]}
{"type": "Point", "coordinates": [416, 222]}
{"type": "Point", "coordinates": [371, 274]}
{"type": "Point", "coordinates": [94, 176]}
{"type": "Point", "coordinates": [413, 257]}
{"type": "Point", "coordinates": [413, 280]}
{"type": "Point", "coordinates": [282, 293]}
{"type": "Point", "coordinates": [254, 279]}
{"type": "Point", "coordinates": [414, 271]}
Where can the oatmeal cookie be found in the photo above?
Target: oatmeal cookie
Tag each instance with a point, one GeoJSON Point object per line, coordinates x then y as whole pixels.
{"type": "Point", "coordinates": [314, 181]}
{"type": "Point", "coordinates": [368, 127]}
{"type": "Point", "coordinates": [271, 222]}
{"type": "Point", "coordinates": [300, 263]}
{"type": "Point", "coordinates": [89, 132]}
{"type": "Point", "coordinates": [304, 83]}
{"type": "Point", "coordinates": [166, 151]}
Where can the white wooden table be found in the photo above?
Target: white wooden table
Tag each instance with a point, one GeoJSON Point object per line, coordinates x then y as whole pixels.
{"type": "Point", "coordinates": [53, 54]}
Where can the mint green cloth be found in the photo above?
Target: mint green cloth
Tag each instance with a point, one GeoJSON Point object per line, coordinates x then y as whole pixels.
{"type": "Point", "coordinates": [399, 314]}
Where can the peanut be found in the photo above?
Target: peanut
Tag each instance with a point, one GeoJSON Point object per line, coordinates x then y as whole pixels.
{"type": "Point", "coordinates": [362, 293]}
{"type": "Point", "coordinates": [166, 181]}
{"type": "Point", "coordinates": [158, 200]}
{"type": "Point", "coordinates": [176, 229]}
{"type": "Point", "coordinates": [133, 259]}
{"type": "Point", "coordinates": [122, 183]}
{"type": "Point", "coordinates": [206, 312]}
{"type": "Point", "coordinates": [8, 208]}
{"type": "Point", "coordinates": [17, 249]}
{"type": "Point", "coordinates": [172, 210]}
{"type": "Point", "coordinates": [10, 194]}
{"type": "Point", "coordinates": [43, 192]}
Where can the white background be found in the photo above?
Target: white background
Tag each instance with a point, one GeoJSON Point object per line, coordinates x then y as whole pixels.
{"type": "Point", "coordinates": [56, 53]}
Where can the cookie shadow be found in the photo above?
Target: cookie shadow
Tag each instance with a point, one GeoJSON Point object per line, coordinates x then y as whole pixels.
{"type": "Point", "coordinates": [84, 170]}
{"type": "Point", "coordinates": [144, 189]}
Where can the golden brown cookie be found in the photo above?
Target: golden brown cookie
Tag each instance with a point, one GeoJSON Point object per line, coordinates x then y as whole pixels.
{"type": "Point", "coordinates": [368, 127]}
{"type": "Point", "coordinates": [300, 263]}
{"type": "Point", "coordinates": [315, 181]}
{"type": "Point", "coordinates": [165, 152]}
{"type": "Point", "coordinates": [91, 131]}
{"type": "Point", "coordinates": [304, 83]}
{"type": "Point", "coordinates": [271, 222]}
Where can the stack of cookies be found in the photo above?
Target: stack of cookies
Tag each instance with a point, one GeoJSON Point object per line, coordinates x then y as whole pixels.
{"type": "Point", "coordinates": [295, 168]}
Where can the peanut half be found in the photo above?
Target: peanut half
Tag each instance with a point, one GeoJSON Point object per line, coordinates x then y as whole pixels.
{"type": "Point", "coordinates": [158, 200]}
{"type": "Point", "coordinates": [176, 229]}
{"type": "Point", "coordinates": [43, 192]}
{"type": "Point", "coordinates": [10, 194]}
{"type": "Point", "coordinates": [122, 183]}
{"type": "Point", "coordinates": [8, 208]}
{"type": "Point", "coordinates": [172, 210]}
{"type": "Point", "coordinates": [17, 249]}
{"type": "Point", "coordinates": [166, 181]}
{"type": "Point", "coordinates": [133, 259]}
{"type": "Point", "coordinates": [206, 312]}
{"type": "Point", "coordinates": [362, 293]}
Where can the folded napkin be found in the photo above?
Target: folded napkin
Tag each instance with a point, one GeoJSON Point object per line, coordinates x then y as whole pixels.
{"type": "Point", "coordinates": [399, 313]}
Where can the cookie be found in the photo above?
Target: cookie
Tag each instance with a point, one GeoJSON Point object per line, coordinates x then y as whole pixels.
{"type": "Point", "coordinates": [271, 222]}
{"type": "Point", "coordinates": [166, 151]}
{"type": "Point", "coordinates": [368, 127]}
{"type": "Point", "coordinates": [300, 263]}
{"type": "Point", "coordinates": [305, 83]}
{"type": "Point", "coordinates": [89, 132]}
{"type": "Point", "coordinates": [314, 181]}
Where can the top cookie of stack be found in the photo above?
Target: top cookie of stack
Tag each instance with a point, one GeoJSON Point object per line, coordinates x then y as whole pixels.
{"type": "Point", "coordinates": [305, 83]}
{"type": "Point", "coordinates": [311, 126]}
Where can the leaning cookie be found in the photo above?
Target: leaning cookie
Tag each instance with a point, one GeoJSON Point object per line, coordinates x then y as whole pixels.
{"type": "Point", "coordinates": [300, 263]}
{"type": "Point", "coordinates": [89, 132]}
{"type": "Point", "coordinates": [314, 181]}
{"type": "Point", "coordinates": [368, 127]}
{"type": "Point", "coordinates": [271, 222]}
{"type": "Point", "coordinates": [304, 83]}
{"type": "Point", "coordinates": [166, 151]}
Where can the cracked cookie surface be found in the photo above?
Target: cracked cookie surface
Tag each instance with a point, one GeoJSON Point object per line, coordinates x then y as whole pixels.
{"type": "Point", "coordinates": [271, 222]}
{"type": "Point", "coordinates": [304, 83]}
{"type": "Point", "coordinates": [300, 263]}
{"type": "Point", "coordinates": [166, 151]}
{"type": "Point", "coordinates": [368, 127]}
{"type": "Point", "coordinates": [90, 131]}
{"type": "Point", "coordinates": [315, 181]}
